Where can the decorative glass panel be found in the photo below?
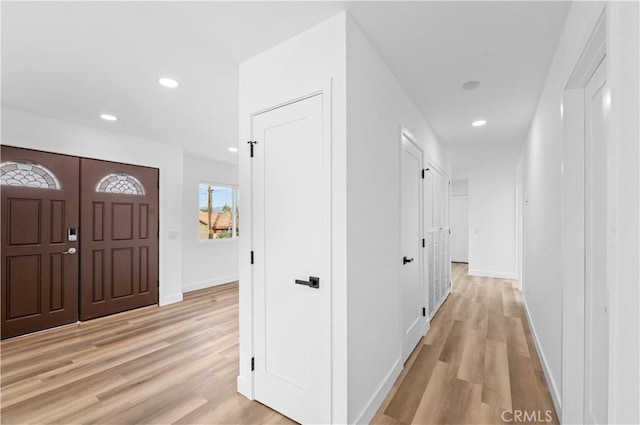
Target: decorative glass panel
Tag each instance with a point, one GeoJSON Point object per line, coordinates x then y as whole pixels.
{"type": "Point", "coordinates": [120, 183]}
{"type": "Point", "coordinates": [28, 174]}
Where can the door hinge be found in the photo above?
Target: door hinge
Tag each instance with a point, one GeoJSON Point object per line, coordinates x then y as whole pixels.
{"type": "Point", "coordinates": [253, 364]}
{"type": "Point", "coordinates": [423, 243]}
{"type": "Point", "coordinates": [158, 182]}
{"type": "Point", "coordinates": [251, 143]}
{"type": "Point", "coordinates": [424, 312]}
{"type": "Point", "coordinates": [158, 283]}
{"type": "Point", "coordinates": [423, 173]}
{"type": "Point", "coordinates": [251, 257]}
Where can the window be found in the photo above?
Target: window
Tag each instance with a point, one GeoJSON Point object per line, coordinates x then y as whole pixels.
{"type": "Point", "coordinates": [28, 174]}
{"type": "Point", "coordinates": [218, 212]}
{"type": "Point", "coordinates": [120, 183]}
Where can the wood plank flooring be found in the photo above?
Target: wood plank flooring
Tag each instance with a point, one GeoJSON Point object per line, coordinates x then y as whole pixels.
{"type": "Point", "coordinates": [178, 364]}
{"type": "Point", "coordinates": [155, 365]}
{"type": "Point", "coordinates": [476, 362]}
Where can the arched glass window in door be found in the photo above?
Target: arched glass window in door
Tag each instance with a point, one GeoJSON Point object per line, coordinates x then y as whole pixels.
{"type": "Point", "coordinates": [120, 183]}
{"type": "Point", "coordinates": [28, 174]}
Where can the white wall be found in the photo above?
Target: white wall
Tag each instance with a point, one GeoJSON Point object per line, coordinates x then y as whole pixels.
{"type": "Point", "coordinates": [459, 219]}
{"type": "Point", "coordinates": [23, 129]}
{"type": "Point", "coordinates": [365, 191]}
{"type": "Point", "coordinates": [210, 262]}
{"type": "Point", "coordinates": [460, 187]}
{"type": "Point", "coordinates": [297, 67]}
{"type": "Point", "coordinates": [460, 228]}
{"type": "Point", "coordinates": [624, 59]}
{"type": "Point", "coordinates": [541, 170]}
{"type": "Point", "coordinates": [492, 216]}
{"type": "Point", "coordinates": [377, 109]}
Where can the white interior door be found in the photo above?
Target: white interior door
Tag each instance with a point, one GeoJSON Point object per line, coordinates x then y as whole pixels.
{"type": "Point", "coordinates": [596, 289]}
{"type": "Point", "coordinates": [437, 195]}
{"type": "Point", "coordinates": [414, 324]}
{"type": "Point", "coordinates": [291, 242]}
{"type": "Point", "coordinates": [429, 200]}
{"type": "Point", "coordinates": [460, 228]}
{"type": "Point", "coordinates": [439, 228]}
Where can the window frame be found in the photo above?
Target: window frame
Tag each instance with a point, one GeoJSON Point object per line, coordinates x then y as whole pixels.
{"type": "Point", "coordinates": [234, 204]}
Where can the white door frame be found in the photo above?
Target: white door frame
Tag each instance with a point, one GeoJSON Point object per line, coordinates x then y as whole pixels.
{"type": "Point", "coordinates": [405, 134]}
{"type": "Point", "coordinates": [247, 318]}
{"type": "Point", "coordinates": [520, 233]}
{"type": "Point", "coordinates": [573, 246]}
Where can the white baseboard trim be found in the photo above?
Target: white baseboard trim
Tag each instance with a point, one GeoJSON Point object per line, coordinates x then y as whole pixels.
{"type": "Point", "coordinates": [555, 394]}
{"type": "Point", "coordinates": [243, 387]}
{"type": "Point", "coordinates": [485, 273]}
{"type": "Point", "coordinates": [208, 283]}
{"type": "Point", "coordinates": [378, 397]}
{"type": "Point", "coordinates": [170, 299]}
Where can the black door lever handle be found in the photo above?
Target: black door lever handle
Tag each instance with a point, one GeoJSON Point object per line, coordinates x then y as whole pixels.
{"type": "Point", "coordinates": [313, 282]}
{"type": "Point", "coordinates": [406, 260]}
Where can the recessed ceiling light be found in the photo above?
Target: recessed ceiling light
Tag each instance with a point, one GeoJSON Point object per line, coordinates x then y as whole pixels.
{"type": "Point", "coordinates": [470, 85]}
{"type": "Point", "coordinates": [479, 123]}
{"type": "Point", "coordinates": [168, 82]}
{"type": "Point", "coordinates": [232, 149]}
{"type": "Point", "coordinates": [109, 117]}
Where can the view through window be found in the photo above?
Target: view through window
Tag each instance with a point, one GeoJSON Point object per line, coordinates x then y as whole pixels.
{"type": "Point", "coordinates": [218, 213]}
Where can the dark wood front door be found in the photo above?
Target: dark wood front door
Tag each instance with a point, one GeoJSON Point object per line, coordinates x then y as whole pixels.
{"type": "Point", "coordinates": [39, 265]}
{"type": "Point", "coordinates": [119, 220]}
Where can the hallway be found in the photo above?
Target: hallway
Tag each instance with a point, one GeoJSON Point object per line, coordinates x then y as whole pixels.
{"type": "Point", "coordinates": [477, 361]}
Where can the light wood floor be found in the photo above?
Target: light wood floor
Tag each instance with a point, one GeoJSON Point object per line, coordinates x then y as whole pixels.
{"type": "Point", "coordinates": [178, 364]}
{"type": "Point", "coordinates": [477, 361]}
{"type": "Point", "coordinates": [173, 364]}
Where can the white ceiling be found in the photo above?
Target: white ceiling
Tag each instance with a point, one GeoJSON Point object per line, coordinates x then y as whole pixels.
{"type": "Point", "coordinates": [76, 60]}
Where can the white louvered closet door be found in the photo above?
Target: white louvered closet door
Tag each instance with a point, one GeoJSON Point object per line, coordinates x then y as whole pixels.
{"type": "Point", "coordinates": [429, 242]}
{"type": "Point", "coordinates": [437, 241]}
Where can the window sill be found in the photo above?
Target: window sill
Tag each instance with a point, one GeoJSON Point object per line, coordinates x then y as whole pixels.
{"type": "Point", "coordinates": [225, 240]}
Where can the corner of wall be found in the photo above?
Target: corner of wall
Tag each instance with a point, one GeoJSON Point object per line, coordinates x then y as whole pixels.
{"type": "Point", "coordinates": [553, 388]}
{"type": "Point", "coordinates": [369, 411]}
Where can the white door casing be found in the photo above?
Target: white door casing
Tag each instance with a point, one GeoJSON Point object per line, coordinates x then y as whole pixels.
{"type": "Point", "coordinates": [291, 212]}
{"type": "Point", "coordinates": [597, 104]}
{"type": "Point", "coordinates": [414, 324]}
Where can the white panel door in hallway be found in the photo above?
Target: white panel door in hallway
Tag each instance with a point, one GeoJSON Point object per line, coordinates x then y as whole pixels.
{"type": "Point", "coordinates": [460, 228]}
{"type": "Point", "coordinates": [437, 227]}
{"type": "Point", "coordinates": [414, 324]}
{"type": "Point", "coordinates": [291, 271]}
{"type": "Point", "coordinates": [597, 105]}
